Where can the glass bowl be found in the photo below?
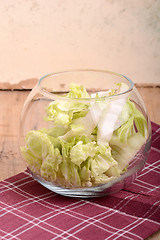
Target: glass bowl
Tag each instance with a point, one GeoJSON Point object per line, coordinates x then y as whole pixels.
{"type": "Point", "coordinates": [84, 133]}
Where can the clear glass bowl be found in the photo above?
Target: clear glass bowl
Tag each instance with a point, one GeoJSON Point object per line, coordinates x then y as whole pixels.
{"type": "Point", "coordinates": [90, 146]}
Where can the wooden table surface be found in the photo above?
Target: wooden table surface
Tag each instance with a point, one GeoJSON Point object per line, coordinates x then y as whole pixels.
{"type": "Point", "coordinates": [10, 108]}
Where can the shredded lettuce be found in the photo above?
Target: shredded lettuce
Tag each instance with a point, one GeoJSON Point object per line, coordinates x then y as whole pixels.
{"type": "Point", "coordinates": [41, 148]}
{"type": "Point", "coordinates": [86, 144]}
{"type": "Point", "coordinates": [62, 112]}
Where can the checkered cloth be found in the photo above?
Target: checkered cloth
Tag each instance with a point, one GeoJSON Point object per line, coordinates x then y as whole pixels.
{"type": "Point", "coordinates": [30, 211]}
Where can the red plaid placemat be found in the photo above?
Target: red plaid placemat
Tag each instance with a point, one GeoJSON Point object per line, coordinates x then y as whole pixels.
{"type": "Point", "coordinates": [30, 211]}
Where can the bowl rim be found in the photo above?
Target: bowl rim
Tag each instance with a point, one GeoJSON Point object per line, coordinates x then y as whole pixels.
{"type": "Point", "coordinates": [54, 95]}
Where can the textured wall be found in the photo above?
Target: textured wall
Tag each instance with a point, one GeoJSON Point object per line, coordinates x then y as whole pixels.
{"type": "Point", "coordinates": [41, 36]}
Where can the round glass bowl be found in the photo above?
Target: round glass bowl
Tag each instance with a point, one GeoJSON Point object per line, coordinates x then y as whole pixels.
{"type": "Point", "coordinates": [84, 133]}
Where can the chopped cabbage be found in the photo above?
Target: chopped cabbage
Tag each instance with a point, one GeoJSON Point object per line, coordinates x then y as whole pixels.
{"type": "Point", "coordinates": [86, 144]}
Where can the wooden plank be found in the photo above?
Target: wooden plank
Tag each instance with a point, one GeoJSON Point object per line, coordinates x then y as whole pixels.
{"type": "Point", "coordinates": [151, 98]}
{"type": "Point", "coordinates": [25, 84]}
{"type": "Point", "coordinates": [154, 236]}
{"type": "Point", "coordinates": [10, 108]}
{"type": "Point", "coordinates": [10, 158]}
